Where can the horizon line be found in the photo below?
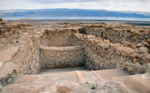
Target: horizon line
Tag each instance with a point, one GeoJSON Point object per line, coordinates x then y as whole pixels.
{"type": "Point", "coordinates": [77, 8]}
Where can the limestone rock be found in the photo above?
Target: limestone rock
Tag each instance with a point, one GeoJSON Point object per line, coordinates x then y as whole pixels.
{"type": "Point", "coordinates": [1, 64]}
{"type": "Point", "coordinates": [107, 41]}
{"type": "Point", "coordinates": [143, 50]}
{"type": "Point", "coordinates": [9, 80]}
{"type": "Point", "coordinates": [140, 45]}
{"type": "Point", "coordinates": [135, 38]}
{"type": "Point", "coordinates": [135, 55]}
{"type": "Point", "coordinates": [7, 54]}
{"type": "Point", "coordinates": [133, 68]}
{"type": "Point", "coordinates": [7, 68]}
{"type": "Point", "coordinates": [64, 89]}
{"type": "Point", "coordinates": [7, 72]}
{"type": "Point", "coordinates": [127, 44]}
{"type": "Point", "coordinates": [148, 40]}
{"type": "Point", "coordinates": [138, 83]}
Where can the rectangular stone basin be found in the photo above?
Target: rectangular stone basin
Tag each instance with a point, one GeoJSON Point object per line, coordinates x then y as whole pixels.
{"type": "Point", "coordinates": [60, 57]}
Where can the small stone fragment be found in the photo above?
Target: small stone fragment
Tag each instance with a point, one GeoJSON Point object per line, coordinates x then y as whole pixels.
{"type": "Point", "coordinates": [143, 50]}
{"type": "Point", "coordinates": [127, 44]}
{"type": "Point", "coordinates": [9, 80]}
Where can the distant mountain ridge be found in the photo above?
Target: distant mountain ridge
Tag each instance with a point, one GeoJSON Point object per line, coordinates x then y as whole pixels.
{"type": "Point", "coordinates": [68, 13]}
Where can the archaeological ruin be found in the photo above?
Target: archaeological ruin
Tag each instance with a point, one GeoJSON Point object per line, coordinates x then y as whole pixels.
{"type": "Point", "coordinates": [74, 58]}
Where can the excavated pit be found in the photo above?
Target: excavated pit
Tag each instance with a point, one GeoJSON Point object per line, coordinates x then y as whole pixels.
{"type": "Point", "coordinates": [57, 50]}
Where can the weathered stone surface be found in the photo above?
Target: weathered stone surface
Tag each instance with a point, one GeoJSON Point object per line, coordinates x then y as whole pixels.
{"type": "Point", "coordinates": [64, 89]}
{"type": "Point", "coordinates": [127, 44]}
{"type": "Point", "coordinates": [64, 81]}
{"type": "Point", "coordinates": [28, 57]}
{"type": "Point", "coordinates": [133, 84]}
{"type": "Point", "coordinates": [7, 72]}
{"type": "Point", "coordinates": [107, 41]}
{"type": "Point", "coordinates": [7, 54]}
{"type": "Point", "coordinates": [148, 40]}
{"type": "Point", "coordinates": [7, 69]}
{"type": "Point", "coordinates": [119, 34]}
{"type": "Point", "coordinates": [134, 68]}
{"type": "Point", "coordinates": [125, 50]}
{"type": "Point", "coordinates": [138, 83]}
{"type": "Point", "coordinates": [9, 80]}
{"type": "Point", "coordinates": [1, 64]}
{"type": "Point", "coordinates": [57, 37]}
{"type": "Point", "coordinates": [143, 50]}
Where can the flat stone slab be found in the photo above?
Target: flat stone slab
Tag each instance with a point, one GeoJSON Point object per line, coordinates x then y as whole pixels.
{"type": "Point", "coordinates": [1, 64]}
{"type": "Point", "coordinates": [45, 78]}
{"type": "Point", "coordinates": [134, 84]}
{"type": "Point", "coordinates": [6, 55]}
{"type": "Point", "coordinates": [139, 83]}
{"type": "Point", "coordinates": [39, 87]}
{"type": "Point", "coordinates": [7, 69]}
{"type": "Point", "coordinates": [89, 77]}
{"type": "Point", "coordinates": [107, 75]}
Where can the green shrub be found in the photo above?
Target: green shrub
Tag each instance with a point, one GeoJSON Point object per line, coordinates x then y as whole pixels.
{"type": "Point", "coordinates": [93, 87]}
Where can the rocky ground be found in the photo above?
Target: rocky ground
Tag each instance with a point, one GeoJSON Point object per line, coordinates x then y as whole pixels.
{"type": "Point", "coordinates": [76, 57]}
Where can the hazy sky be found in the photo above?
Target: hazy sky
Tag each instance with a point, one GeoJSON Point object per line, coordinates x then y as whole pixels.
{"type": "Point", "coordinates": [131, 5]}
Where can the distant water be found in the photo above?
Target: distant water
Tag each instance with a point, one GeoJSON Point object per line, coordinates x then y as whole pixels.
{"type": "Point", "coordinates": [82, 18]}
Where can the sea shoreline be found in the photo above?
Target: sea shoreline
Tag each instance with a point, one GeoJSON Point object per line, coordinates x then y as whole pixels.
{"type": "Point", "coordinates": [144, 23]}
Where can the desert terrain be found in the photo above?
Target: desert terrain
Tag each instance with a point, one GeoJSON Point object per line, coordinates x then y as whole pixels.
{"type": "Point", "coordinates": [60, 56]}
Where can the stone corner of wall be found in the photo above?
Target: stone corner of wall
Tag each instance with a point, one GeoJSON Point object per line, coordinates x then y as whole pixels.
{"type": "Point", "coordinates": [8, 70]}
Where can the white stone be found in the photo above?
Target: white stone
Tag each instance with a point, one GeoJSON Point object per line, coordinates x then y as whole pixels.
{"type": "Point", "coordinates": [1, 64]}
{"type": "Point", "coordinates": [143, 50]}
{"type": "Point", "coordinates": [9, 80]}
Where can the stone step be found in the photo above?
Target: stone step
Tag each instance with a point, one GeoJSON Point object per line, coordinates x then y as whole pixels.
{"type": "Point", "coordinates": [61, 70]}
{"type": "Point", "coordinates": [61, 57]}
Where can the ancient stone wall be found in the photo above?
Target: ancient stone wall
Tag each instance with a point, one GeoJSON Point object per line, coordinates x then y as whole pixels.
{"type": "Point", "coordinates": [27, 57]}
{"type": "Point", "coordinates": [19, 50]}
{"type": "Point", "coordinates": [101, 54]}
{"type": "Point", "coordinates": [135, 36]}
{"type": "Point", "coordinates": [58, 49]}
{"type": "Point", "coordinates": [8, 71]}
{"type": "Point", "coordinates": [57, 37]}
{"type": "Point", "coordinates": [11, 32]}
